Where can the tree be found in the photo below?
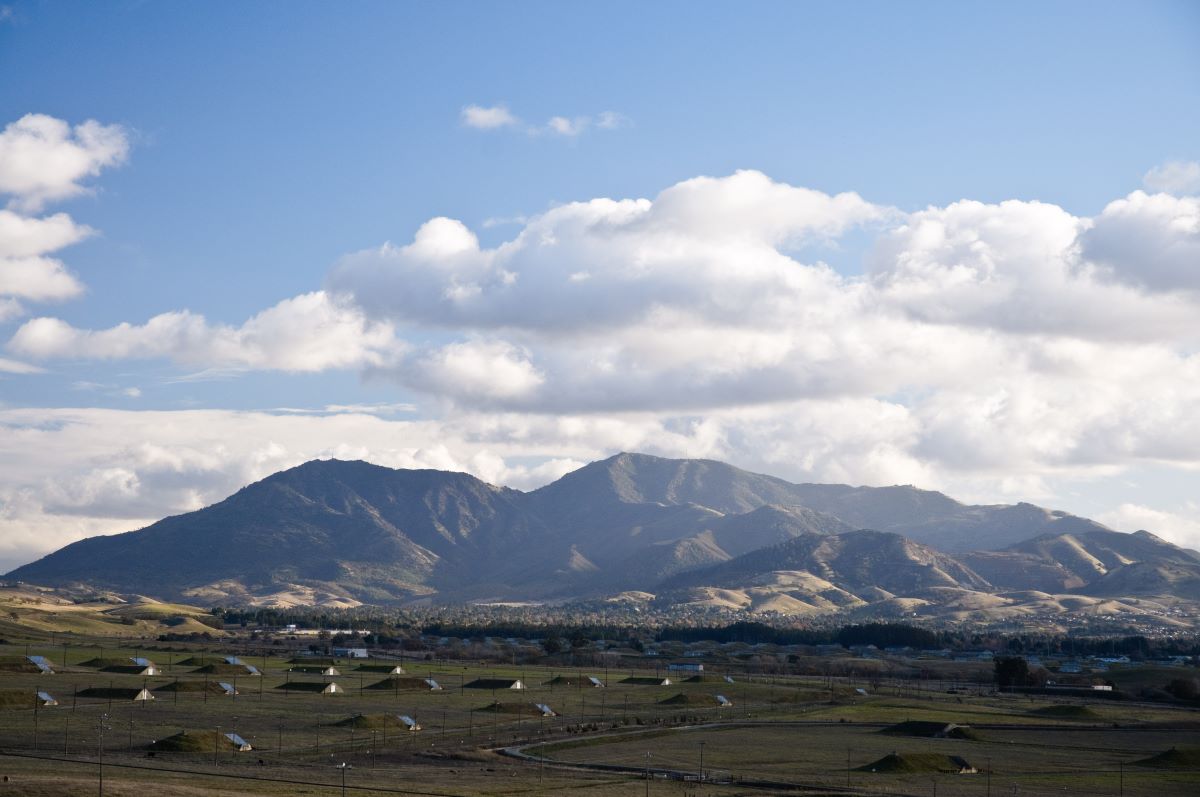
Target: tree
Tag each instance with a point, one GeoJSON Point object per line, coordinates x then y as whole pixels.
{"type": "Point", "coordinates": [552, 645]}
{"type": "Point", "coordinates": [1012, 671]}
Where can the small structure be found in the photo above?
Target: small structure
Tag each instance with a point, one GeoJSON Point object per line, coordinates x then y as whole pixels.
{"type": "Point", "coordinates": [964, 768]}
{"type": "Point", "coordinates": [545, 709]}
{"type": "Point", "coordinates": [728, 679]}
{"type": "Point", "coordinates": [42, 663]}
{"type": "Point", "coordinates": [351, 653]}
{"type": "Point", "coordinates": [595, 681]}
{"type": "Point", "coordinates": [227, 688]}
{"type": "Point", "coordinates": [495, 683]}
{"type": "Point", "coordinates": [858, 690]}
{"type": "Point", "coordinates": [433, 685]}
{"type": "Point", "coordinates": [723, 701]}
{"type": "Point", "coordinates": [46, 699]}
{"type": "Point", "coordinates": [332, 689]}
{"type": "Point", "coordinates": [144, 665]}
{"type": "Point", "coordinates": [238, 742]}
{"type": "Point", "coordinates": [234, 660]}
{"type": "Point", "coordinates": [686, 666]}
{"type": "Point", "coordinates": [409, 723]}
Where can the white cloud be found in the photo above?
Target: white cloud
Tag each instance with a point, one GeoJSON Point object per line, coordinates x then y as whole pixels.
{"type": "Point", "coordinates": [497, 117]}
{"type": "Point", "coordinates": [43, 159]}
{"type": "Point", "coordinates": [487, 118]}
{"type": "Point", "coordinates": [1148, 240]}
{"type": "Point", "coordinates": [563, 126]}
{"type": "Point", "coordinates": [1174, 177]}
{"type": "Point", "coordinates": [991, 350]}
{"type": "Point", "coordinates": [612, 120]}
{"type": "Point", "coordinates": [1179, 528]}
{"type": "Point", "coordinates": [16, 367]}
{"type": "Point", "coordinates": [306, 333]}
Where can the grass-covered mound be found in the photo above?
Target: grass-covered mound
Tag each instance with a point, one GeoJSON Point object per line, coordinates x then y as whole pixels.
{"type": "Point", "coordinates": [519, 709]}
{"type": "Point", "coordinates": [400, 684]}
{"type": "Point", "coordinates": [1080, 713]}
{"type": "Point", "coordinates": [930, 730]}
{"type": "Point", "coordinates": [201, 661]}
{"type": "Point", "coordinates": [705, 679]}
{"type": "Point", "coordinates": [111, 693]}
{"type": "Point", "coordinates": [380, 668]}
{"type": "Point", "coordinates": [197, 687]}
{"type": "Point", "coordinates": [566, 680]}
{"type": "Point", "coordinates": [1175, 758]}
{"type": "Point", "coordinates": [102, 663]}
{"type": "Point", "coordinates": [313, 661]}
{"type": "Point", "coordinates": [915, 763]}
{"type": "Point", "coordinates": [644, 680]}
{"type": "Point", "coordinates": [685, 699]}
{"type": "Point", "coordinates": [193, 742]}
{"type": "Point", "coordinates": [371, 722]}
{"type": "Point", "coordinates": [18, 664]}
{"type": "Point", "coordinates": [17, 698]}
{"type": "Point", "coordinates": [310, 686]}
{"type": "Point", "coordinates": [221, 668]}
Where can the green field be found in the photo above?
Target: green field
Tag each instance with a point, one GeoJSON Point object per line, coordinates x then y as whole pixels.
{"type": "Point", "coordinates": [781, 735]}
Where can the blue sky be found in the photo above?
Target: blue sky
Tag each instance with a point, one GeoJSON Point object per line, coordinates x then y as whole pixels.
{"type": "Point", "coordinates": [266, 142]}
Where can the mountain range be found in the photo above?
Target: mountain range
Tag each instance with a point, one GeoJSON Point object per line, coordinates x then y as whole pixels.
{"type": "Point", "coordinates": [629, 528]}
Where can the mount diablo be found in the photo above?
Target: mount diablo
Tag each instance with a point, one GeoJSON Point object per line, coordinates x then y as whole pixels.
{"type": "Point", "coordinates": [693, 532]}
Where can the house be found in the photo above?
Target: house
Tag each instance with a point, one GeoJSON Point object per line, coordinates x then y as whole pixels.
{"type": "Point", "coordinates": [686, 666]}
{"type": "Point", "coordinates": [409, 723]}
{"type": "Point", "coordinates": [495, 683]}
{"type": "Point", "coordinates": [351, 653]}
{"type": "Point", "coordinates": [238, 742]}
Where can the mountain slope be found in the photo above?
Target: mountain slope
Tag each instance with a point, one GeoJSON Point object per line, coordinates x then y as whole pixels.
{"type": "Point", "coordinates": [344, 532]}
{"type": "Point", "coordinates": [354, 528]}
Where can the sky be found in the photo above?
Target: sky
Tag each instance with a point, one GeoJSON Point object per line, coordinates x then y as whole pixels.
{"type": "Point", "coordinates": [942, 244]}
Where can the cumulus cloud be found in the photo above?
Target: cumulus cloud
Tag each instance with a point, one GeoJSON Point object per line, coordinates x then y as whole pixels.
{"type": "Point", "coordinates": [568, 127]}
{"type": "Point", "coordinates": [487, 118]}
{"type": "Point", "coordinates": [997, 351]}
{"type": "Point", "coordinates": [306, 333]}
{"type": "Point", "coordinates": [1174, 177]}
{"type": "Point", "coordinates": [1148, 240]}
{"type": "Point", "coordinates": [43, 159]}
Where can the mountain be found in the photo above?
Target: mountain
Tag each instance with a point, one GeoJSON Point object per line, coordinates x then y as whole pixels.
{"type": "Point", "coordinates": [346, 529]}
{"type": "Point", "coordinates": [340, 533]}
{"type": "Point", "coordinates": [926, 516]}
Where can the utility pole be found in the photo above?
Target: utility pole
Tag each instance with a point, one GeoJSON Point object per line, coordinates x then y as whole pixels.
{"type": "Point", "coordinates": [701, 765]}
{"type": "Point", "coordinates": [647, 773]}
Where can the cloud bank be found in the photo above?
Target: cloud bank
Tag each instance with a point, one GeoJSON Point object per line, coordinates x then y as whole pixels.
{"type": "Point", "coordinates": [999, 351]}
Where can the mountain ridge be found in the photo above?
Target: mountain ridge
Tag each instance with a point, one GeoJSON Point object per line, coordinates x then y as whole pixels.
{"type": "Point", "coordinates": [356, 532]}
